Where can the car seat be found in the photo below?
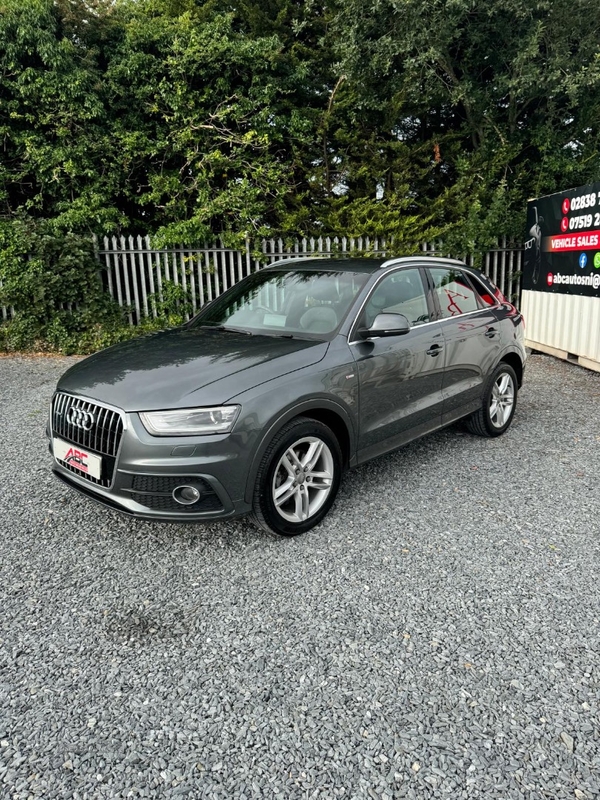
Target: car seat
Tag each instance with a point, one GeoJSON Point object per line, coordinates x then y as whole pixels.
{"type": "Point", "coordinates": [321, 318]}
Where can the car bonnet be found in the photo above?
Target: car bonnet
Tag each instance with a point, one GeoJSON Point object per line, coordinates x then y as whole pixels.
{"type": "Point", "coordinates": [186, 367]}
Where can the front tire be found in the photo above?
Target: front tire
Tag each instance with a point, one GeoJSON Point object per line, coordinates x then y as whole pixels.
{"type": "Point", "coordinates": [499, 403]}
{"type": "Point", "coordinates": [298, 478]}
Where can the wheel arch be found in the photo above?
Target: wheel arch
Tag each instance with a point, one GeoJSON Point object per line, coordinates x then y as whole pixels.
{"type": "Point", "coordinates": [327, 412]}
{"type": "Point", "coordinates": [514, 360]}
{"type": "Point", "coordinates": [336, 424]}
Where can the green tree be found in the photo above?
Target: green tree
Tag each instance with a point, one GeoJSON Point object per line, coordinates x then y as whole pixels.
{"type": "Point", "coordinates": [153, 116]}
{"type": "Point", "coordinates": [505, 96]}
{"type": "Point", "coordinates": [186, 119]}
{"type": "Point", "coordinates": [201, 119]}
{"type": "Point", "coordinates": [53, 119]}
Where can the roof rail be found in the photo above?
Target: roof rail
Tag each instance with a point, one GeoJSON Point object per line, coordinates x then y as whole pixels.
{"type": "Point", "coordinates": [420, 258]}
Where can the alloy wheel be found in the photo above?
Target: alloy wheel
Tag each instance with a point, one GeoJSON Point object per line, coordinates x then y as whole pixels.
{"type": "Point", "coordinates": [502, 400]}
{"type": "Point", "coordinates": [303, 479]}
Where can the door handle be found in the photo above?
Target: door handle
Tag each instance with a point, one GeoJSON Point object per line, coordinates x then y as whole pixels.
{"type": "Point", "coordinates": [490, 333]}
{"type": "Point", "coordinates": [435, 349]}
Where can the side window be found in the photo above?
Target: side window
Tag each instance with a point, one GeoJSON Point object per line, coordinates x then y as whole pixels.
{"type": "Point", "coordinates": [454, 292]}
{"type": "Point", "coordinates": [401, 292]}
{"type": "Point", "coordinates": [483, 292]}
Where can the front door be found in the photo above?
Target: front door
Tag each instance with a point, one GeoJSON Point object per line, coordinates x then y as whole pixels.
{"type": "Point", "coordinates": [400, 377]}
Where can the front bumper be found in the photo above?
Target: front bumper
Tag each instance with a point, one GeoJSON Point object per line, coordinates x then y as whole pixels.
{"type": "Point", "coordinates": [147, 469]}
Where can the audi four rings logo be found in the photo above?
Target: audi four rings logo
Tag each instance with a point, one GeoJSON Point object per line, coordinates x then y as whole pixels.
{"type": "Point", "coordinates": [80, 418]}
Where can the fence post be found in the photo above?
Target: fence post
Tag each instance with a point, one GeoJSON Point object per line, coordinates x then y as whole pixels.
{"type": "Point", "coordinates": [143, 273]}
{"type": "Point", "coordinates": [123, 254]}
{"type": "Point", "coordinates": [248, 260]}
{"type": "Point", "coordinates": [4, 308]}
{"type": "Point", "coordinates": [134, 278]}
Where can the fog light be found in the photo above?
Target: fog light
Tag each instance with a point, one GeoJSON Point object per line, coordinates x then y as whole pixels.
{"type": "Point", "coordinates": [186, 495]}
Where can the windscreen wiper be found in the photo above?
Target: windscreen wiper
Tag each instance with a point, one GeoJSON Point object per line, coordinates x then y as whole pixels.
{"type": "Point", "coordinates": [289, 336]}
{"type": "Point", "coordinates": [226, 328]}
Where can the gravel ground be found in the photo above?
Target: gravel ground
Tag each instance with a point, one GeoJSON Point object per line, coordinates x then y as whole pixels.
{"type": "Point", "coordinates": [437, 637]}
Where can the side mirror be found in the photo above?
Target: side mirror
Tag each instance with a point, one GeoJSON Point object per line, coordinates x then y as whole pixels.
{"type": "Point", "coordinates": [386, 325]}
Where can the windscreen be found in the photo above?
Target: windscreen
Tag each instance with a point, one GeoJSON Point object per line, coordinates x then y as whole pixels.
{"type": "Point", "coordinates": [289, 302]}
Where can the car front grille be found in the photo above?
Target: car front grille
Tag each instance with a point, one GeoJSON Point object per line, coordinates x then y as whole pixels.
{"type": "Point", "coordinates": [100, 433]}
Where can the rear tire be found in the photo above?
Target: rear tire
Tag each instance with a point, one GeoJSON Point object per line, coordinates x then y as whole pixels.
{"type": "Point", "coordinates": [499, 403]}
{"type": "Point", "coordinates": [298, 478]}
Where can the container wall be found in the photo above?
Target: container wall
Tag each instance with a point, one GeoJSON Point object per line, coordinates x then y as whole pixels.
{"type": "Point", "coordinates": [563, 322]}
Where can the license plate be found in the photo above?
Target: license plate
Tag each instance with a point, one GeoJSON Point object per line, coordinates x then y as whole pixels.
{"type": "Point", "coordinates": [76, 457]}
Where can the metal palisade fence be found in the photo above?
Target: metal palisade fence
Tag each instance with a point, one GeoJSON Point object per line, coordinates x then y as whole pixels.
{"type": "Point", "coordinates": [140, 277]}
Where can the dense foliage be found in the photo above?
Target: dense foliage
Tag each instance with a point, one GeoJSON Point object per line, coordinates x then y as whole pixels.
{"type": "Point", "coordinates": [185, 118]}
{"type": "Point", "coordinates": [53, 283]}
{"type": "Point", "coordinates": [189, 118]}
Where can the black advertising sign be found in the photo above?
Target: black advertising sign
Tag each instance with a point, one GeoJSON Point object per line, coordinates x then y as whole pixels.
{"type": "Point", "coordinates": [562, 246]}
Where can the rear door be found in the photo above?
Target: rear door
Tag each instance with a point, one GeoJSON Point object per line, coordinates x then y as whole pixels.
{"type": "Point", "coordinates": [471, 337]}
{"type": "Point", "coordinates": [400, 377]}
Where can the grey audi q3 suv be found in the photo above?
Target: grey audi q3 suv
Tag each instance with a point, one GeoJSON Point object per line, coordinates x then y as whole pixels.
{"type": "Point", "coordinates": [296, 373]}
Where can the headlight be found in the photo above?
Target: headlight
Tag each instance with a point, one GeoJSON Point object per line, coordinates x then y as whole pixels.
{"type": "Point", "coordinates": [190, 421]}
